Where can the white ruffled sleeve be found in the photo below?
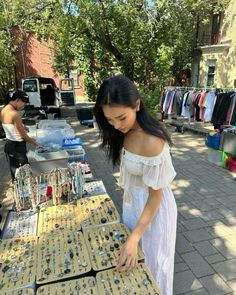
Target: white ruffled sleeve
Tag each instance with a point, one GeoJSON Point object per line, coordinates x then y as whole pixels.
{"type": "Point", "coordinates": [159, 172]}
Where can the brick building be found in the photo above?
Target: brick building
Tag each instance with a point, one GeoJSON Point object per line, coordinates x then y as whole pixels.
{"type": "Point", "coordinates": [34, 59]}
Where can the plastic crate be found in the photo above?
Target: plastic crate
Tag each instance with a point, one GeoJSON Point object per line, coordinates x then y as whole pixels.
{"type": "Point", "coordinates": [78, 151]}
{"type": "Point", "coordinates": [45, 124]}
{"type": "Point", "coordinates": [77, 158]}
{"type": "Point", "coordinates": [214, 156]}
{"type": "Point", "coordinates": [231, 164]}
{"type": "Point", "coordinates": [52, 160]}
{"type": "Point", "coordinates": [72, 142]}
{"type": "Point", "coordinates": [225, 156]}
{"type": "Point", "coordinates": [213, 141]}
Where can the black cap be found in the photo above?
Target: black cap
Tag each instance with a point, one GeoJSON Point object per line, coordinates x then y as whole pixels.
{"type": "Point", "coordinates": [18, 94]}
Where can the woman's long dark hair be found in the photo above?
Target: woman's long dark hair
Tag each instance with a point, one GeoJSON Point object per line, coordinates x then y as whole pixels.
{"type": "Point", "coordinates": [119, 90]}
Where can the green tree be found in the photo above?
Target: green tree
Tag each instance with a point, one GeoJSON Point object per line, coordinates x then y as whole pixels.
{"type": "Point", "coordinates": [148, 41]}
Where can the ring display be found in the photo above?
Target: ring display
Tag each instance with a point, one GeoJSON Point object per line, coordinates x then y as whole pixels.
{"type": "Point", "coordinates": [97, 210]}
{"type": "Point", "coordinates": [25, 291]}
{"type": "Point", "coordinates": [86, 285]}
{"type": "Point", "coordinates": [61, 255]}
{"type": "Point", "coordinates": [103, 244]}
{"type": "Point", "coordinates": [138, 282]}
{"type": "Point", "coordinates": [18, 263]}
{"type": "Point", "coordinates": [20, 224]}
{"type": "Point", "coordinates": [57, 218]}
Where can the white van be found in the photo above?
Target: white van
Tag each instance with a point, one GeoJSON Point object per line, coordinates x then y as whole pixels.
{"type": "Point", "coordinates": [44, 92]}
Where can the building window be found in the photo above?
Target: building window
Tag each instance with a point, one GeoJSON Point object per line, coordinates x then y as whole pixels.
{"type": "Point", "coordinates": [215, 33]}
{"type": "Point", "coordinates": [211, 73]}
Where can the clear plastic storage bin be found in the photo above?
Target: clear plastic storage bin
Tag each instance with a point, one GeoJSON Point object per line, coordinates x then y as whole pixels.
{"type": "Point", "coordinates": [214, 156]}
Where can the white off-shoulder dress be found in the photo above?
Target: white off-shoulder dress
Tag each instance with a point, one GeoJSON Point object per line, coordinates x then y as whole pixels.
{"type": "Point", "coordinates": [137, 173]}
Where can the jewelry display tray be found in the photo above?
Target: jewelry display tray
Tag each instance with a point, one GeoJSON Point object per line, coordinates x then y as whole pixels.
{"type": "Point", "coordinates": [103, 244]}
{"type": "Point", "coordinates": [20, 224]}
{"type": "Point", "coordinates": [138, 281]}
{"type": "Point", "coordinates": [86, 285]}
{"type": "Point", "coordinates": [61, 256]}
{"type": "Point", "coordinates": [18, 263]}
{"type": "Point", "coordinates": [97, 211]}
{"type": "Point", "coordinates": [94, 188]}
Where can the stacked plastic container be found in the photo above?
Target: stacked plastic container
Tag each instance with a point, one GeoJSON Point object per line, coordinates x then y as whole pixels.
{"type": "Point", "coordinates": [228, 147]}
{"type": "Point", "coordinates": [213, 144]}
{"type": "Point", "coordinates": [217, 155]}
{"type": "Point", "coordinates": [74, 148]}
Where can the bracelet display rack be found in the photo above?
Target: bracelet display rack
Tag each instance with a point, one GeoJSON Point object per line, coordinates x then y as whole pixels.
{"type": "Point", "coordinates": [56, 218]}
{"type": "Point", "coordinates": [86, 285]}
{"type": "Point", "coordinates": [62, 255]}
{"type": "Point", "coordinates": [136, 282]}
{"type": "Point", "coordinates": [18, 263]}
{"type": "Point", "coordinates": [97, 210]}
{"type": "Point", "coordinates": [20, 224]}
{"type": "Point", "coordinates": [94, 188]}
{"type": "Point", "coordinates": [103, 244]}
{"type": "Point", "coordinates": [25, 291]}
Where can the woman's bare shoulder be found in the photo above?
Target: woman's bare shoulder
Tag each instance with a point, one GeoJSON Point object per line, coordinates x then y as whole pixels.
{"type": "Point", "coordinates": [9, 114]}
{"type": "Point", "coordinates": [144, 144]}
{"type": "Point", "coordinates": [152, 145]}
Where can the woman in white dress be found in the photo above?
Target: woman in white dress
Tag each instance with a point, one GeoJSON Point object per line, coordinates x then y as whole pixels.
{"type": "Point", "coordinates": [140, 144]}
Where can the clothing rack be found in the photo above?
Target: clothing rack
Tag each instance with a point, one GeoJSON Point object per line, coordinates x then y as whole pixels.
{"type": "Point", "coordinates": [198, 88]}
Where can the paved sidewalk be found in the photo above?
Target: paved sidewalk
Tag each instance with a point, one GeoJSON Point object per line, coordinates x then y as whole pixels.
{"type": "Point", "coordinates": [206, 197]}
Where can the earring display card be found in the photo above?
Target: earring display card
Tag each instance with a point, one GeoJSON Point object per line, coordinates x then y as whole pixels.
{"type": "Point", "coordinates": [94, 188]}
{"type": "Point", "coordinates": [138, 281]}
{"type": "Point", "coordinates": [25, 291]}
{"type": "Point", "coordinates": [62, 255]}
{"type": "Point", "coordinates": [86, 285]}
{"type": "Point", "coordinates": [97, 210]}
{"type": "Point", "coordinates": [104, 243]}
{"type": "Point", "coordinates": [18, 263]}
{"type": "Point", "coordinates": [56, 218]}
{"type": "Point", "coordinates": [20, 224]}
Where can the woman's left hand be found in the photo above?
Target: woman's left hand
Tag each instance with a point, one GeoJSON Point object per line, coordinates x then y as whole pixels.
{"type": "Point", "coordinates": [127, 256]}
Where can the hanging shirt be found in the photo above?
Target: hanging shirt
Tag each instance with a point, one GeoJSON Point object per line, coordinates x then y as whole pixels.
{"type": "Point", "coordinates": [209, 105]}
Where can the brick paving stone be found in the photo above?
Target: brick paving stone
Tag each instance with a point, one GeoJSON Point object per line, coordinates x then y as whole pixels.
{"type": "Point", "coordinates": [182, 244]}
{"type": "Point", "coordinates": [211, 215]}
{"type": "Point", "coordinates": [220, 230]}
{"type": "Point", "coordinates": [179, 267]}
{"type": "Point", "coordinates": [205, 248]}
{"type": "Point", "coordinates": [226, 269]}
{"type": "Point", "coordinates": [202, 205]}
{"type": "Point", "coordinates": [225, 247]}
{"type": "Point", "coordinates": [185, 281]}
{"type": "Point", "coordinates": [195, 223]}
{"type": "Point", "coordinates": [213, 222]}
{"type": "Point", "coordinates": [177, 257]}
{"type": "Point", "coordinates": [180, 227]}
{"type": "Point", "coordinates": [190, 213]}
{"type": "Point", "coordinates": [214, 258]}
{"type": "Point", "coordinates": [215, 285]}
{"type": "Point", "coordinates": [197, 264]}
{"type": "Point", "coordinates": [232, 284]}
{"type": "Point", "coordinates": [197, 235]}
